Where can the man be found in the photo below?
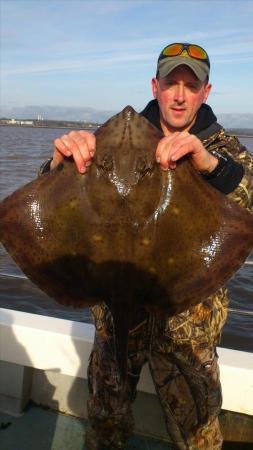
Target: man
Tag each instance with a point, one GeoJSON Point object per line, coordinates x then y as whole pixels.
{"type": "Point", "coordinates": [180, 350]}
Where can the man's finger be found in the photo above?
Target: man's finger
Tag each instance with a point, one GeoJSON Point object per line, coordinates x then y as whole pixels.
{"type": "Point", "coordinates": [62, 147]}
{"type": "Point", "coordinates": [83, 148]}
{"type": "Point", "coordinates": [57, 159]}
{"type": "Point", "coordinates": [165, 142]}
{"type": "Point", "coordinates": [90, 139]}
{"type": "Point", "coordinates": [73, 147]}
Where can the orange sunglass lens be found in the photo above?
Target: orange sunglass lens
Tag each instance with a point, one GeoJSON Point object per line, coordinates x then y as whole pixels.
{"type": "Point", "coordinates": [197, 52]}
{"type": "Point", "coordinates": [173, 50]}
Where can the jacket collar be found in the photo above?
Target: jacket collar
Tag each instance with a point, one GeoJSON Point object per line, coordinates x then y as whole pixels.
{"type": "Point", "coordinates": [205, 124]}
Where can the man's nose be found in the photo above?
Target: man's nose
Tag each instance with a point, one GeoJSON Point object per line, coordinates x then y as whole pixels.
{"type": "Point", "coordinates": [180, 93]}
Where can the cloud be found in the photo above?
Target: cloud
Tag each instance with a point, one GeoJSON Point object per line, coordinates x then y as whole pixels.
{"type": "Point", "coordinates": [79, 65]}
{"type": "Point", "coordinates": [234, 45]}
{"type": "Point", "coordinates": [62, 45]}
{"type": "Point", "coordinates": [235, 59]}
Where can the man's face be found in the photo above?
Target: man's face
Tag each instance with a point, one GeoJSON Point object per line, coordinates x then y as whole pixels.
{"type": "Point", "coordinates": [180, 94]}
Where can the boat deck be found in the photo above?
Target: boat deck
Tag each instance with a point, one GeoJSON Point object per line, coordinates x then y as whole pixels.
{"type": "Point", "coordinates": [43, 429]}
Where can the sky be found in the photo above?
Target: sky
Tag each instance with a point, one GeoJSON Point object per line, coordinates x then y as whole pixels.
{"type": "Point", "coordinates": [102, 54]}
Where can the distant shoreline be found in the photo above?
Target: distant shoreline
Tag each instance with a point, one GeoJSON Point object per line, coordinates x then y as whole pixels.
{"type": "Point", "coordinates": [53, 127]}
{"type": "Point", "coordinates": [239, 132]}
{"type": "Point", "coordinates": [241, 135]}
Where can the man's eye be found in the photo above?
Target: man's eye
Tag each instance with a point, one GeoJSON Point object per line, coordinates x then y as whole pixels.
{"type": "Point", "coordinates": [169, 83]}
{"type": "Point", "coordinates": [193, 87]}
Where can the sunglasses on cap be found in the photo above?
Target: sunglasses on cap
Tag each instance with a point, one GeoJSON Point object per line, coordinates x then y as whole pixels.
{"type": "Point", "coordinates": [194, 51]}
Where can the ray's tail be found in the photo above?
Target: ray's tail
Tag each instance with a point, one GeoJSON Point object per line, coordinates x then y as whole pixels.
{"type": "Point", "coordinates": [121, 330]}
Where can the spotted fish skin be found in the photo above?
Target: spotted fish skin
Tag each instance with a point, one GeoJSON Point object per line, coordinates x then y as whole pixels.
{"type": "Point", "coordinates": [126, 233]}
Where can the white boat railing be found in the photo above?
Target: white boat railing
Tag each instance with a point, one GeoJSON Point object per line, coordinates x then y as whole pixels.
{"type": "Point", "coordinates": [64, 346]}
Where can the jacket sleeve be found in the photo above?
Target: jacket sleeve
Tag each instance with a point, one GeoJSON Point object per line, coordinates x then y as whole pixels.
{"type": "Point", "coordinates": [231, 147]}
{"type": "Point", "coordinates": [45, 167]}
{"type": "Point", "coordinates": [243, 194]}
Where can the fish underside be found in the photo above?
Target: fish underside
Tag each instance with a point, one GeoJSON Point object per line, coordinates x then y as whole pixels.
{"type": "Point", "coordinates": [126, 233]}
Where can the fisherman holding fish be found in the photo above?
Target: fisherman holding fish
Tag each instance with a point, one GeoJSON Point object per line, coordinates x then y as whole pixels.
{"type": "Point", "coordinates": [181, 350]}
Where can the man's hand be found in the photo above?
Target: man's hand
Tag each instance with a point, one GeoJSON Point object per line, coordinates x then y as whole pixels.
{"type": "Point", "coordinates": [79, 144]}
{"type": "Point", "coordinates": [171, 148]}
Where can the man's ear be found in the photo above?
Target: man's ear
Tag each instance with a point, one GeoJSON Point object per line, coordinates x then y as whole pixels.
{"type": "Point", "coordinates": [154, 83]}
{"type": "Point", "coordinates": [208, 88]}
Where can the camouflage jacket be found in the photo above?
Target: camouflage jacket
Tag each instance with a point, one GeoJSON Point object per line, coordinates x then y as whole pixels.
{"type": "Point", "coordinates": [202, 324]}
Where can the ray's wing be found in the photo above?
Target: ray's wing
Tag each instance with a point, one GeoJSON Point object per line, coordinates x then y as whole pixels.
{"type": "Point", "coordinates": [44, 226]}
{"type": "Point", "coordinates": [200, 238]}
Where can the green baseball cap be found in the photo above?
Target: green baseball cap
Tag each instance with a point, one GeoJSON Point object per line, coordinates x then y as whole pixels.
{"type": "Point", "coordinates": [191, 55]}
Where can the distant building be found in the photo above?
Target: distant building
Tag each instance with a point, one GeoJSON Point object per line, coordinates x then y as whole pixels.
{"type": "Point", "coordinates": [19, 122]}
{"type": "Point", "coordinates": [13, 122]}
{"type": "Point", "coordinates": [26, 122]}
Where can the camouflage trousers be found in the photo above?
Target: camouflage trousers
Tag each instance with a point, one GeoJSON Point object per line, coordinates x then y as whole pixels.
{"type": "Point", "coordinates": [181, 353]}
